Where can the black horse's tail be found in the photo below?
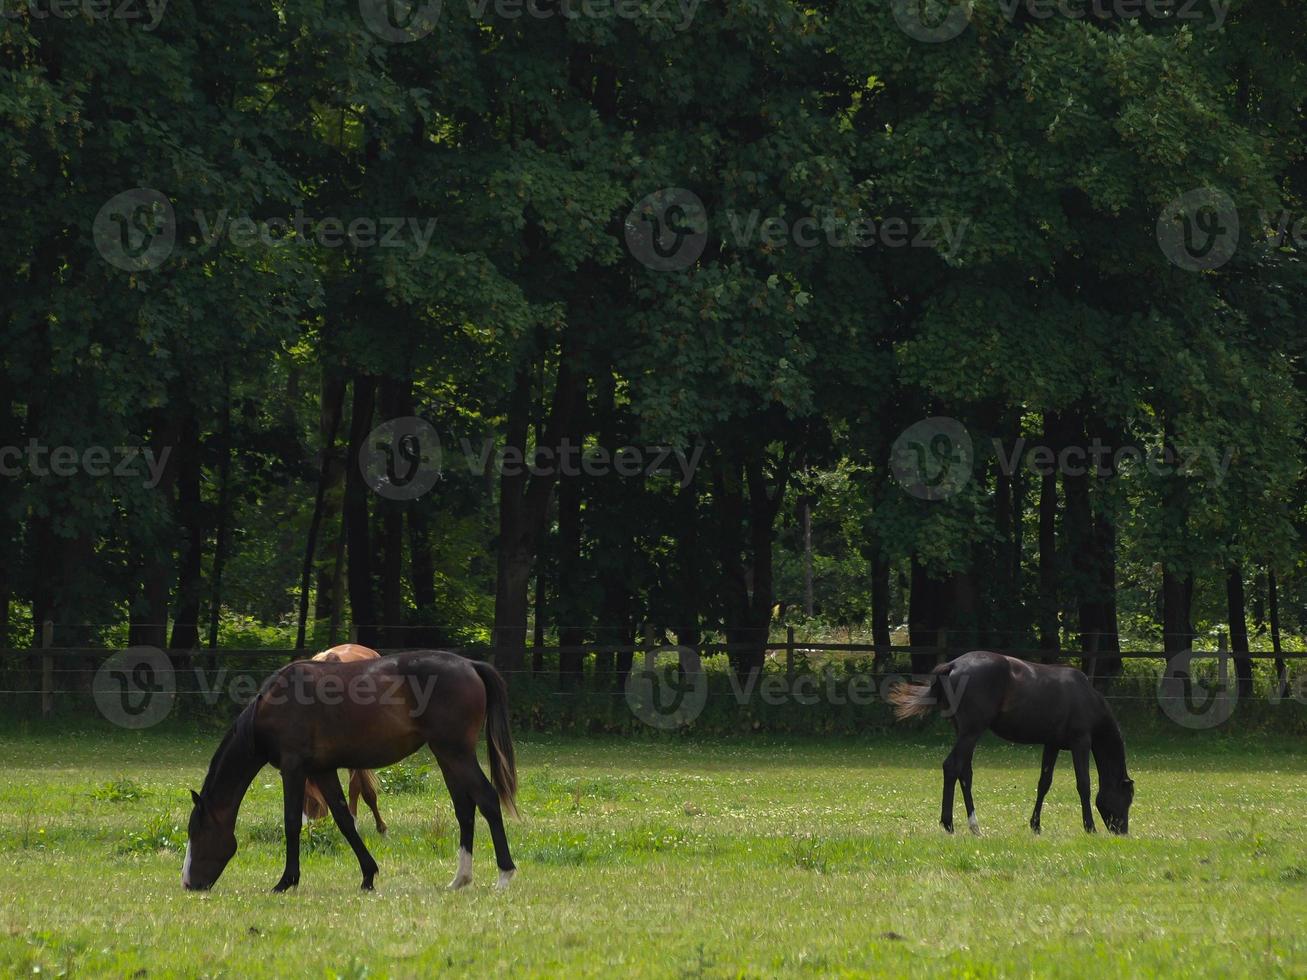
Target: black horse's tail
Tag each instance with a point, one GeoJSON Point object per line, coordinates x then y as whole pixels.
{"type": "Point", "coordinates": [913, 700]}
{"type": "Point", "coordinates": [499, 739]}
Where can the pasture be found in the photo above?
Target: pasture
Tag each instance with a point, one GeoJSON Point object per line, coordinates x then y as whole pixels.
{"type": "Point", "coordinates": [671, 858]}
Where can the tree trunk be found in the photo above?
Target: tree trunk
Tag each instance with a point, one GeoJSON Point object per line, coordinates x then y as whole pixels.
{"type": "Point", "coordinates": [148, 617]}
{"type": "Point", "coordinates": [1234, 596]}
{"type": "Point", "coordinates": [190, 514]}
{"type": "Point", "coordinates": [333, 397]}
{"type": "Point", "coordinates": [687, 562]}
{"type": "Point", "coordinates": [1177, 594]}
{"type": "Point", "coordinates": [570, 633]}
{"type": "Point", "coordinates": [880, 632]}
{"type": "Point", "coordinates": [1273, 613]}
{"type": "Point", "coordinates": [224, 515]}
{"type": "Point", "coordinates": [805, 520]}
{"type": "Point", "coordinates": [524, 498]}
{"type": "Point", "coordinates": [362, 602]}
{"type": "Point", "coordinates": [925, 618]}
{"type": "Point", "coordinates": [422, 577]}
{"type": "Point", "coordinates": [1049, 633]}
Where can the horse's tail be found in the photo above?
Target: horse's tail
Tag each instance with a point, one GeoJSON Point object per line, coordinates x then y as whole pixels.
{"type": "Point", "coordinates": [370, 783]}
{"type": "Point", "coordinates": [499, 739]}
{"type": "Point", "coordinates": [315, 805]}
{"type": "Point", "coordinates": [913, 700]}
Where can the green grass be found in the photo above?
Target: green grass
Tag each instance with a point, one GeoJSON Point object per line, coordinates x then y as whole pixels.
{"type": "Point", "coordinates": [671, 858]}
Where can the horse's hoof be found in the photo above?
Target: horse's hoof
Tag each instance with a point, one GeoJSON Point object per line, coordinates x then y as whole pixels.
{"type": "Point", "coordinates": [973, 825]}
{"type": "Point", "coordinates": [459, 882]}
{"type": "Point", "coordinates": [284, 886]}
{"type": "Point", "coordinates": [1034, 828]}
{"type": "Point", "coordinates": [367, 885]}
{"type": "Point", "coordinates": [948, 828]}
{"type": "Point", "coordinates": [505, 876]}
{"type": "Point", "coordinates": [382, 829]}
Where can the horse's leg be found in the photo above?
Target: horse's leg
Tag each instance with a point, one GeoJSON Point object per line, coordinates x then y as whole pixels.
{"type": "Point", "coordinates": [950, 777]}
{"type": "Point", "coordinates": [458, 783]}
{"type": "Point", "coordinates": [966, 749]}
{"type": "Point", "coordinates": [488, 802]}
{"type": "Point", "coordinates": [354, 790]}
{"type": "Point", "coordinates": [1080, 756]}
{"type": "Point", "coordinates": [329, 782]}
{"type": "Point", "coordinates": [1045, 781]}
{"type": "Point", "coordinates": [292, 791]}
{"type": "Point", "coordinates": [464, 772]}
{"type": "Point", "coordinates": [368, 787]}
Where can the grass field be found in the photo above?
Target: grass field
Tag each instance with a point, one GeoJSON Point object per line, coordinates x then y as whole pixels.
{"type": "Point", "coordinates": [671, 858]}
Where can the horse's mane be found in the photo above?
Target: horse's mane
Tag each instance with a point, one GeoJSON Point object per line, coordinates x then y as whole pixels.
{"type": "Point", "coordinates": [1109, 745]}
{"type": "Point", "coordinates": [238, 739]}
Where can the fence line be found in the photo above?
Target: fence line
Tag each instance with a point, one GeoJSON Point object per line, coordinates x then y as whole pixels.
{"type": "Point", "coordinates": [791, 647]}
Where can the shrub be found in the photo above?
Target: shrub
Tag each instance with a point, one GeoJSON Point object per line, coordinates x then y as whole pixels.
{"type": "Point", "coordinates": [160, 833]}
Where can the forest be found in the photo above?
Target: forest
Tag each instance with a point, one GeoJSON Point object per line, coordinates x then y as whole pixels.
{"type": "Point", "coordinates": [561, 326]}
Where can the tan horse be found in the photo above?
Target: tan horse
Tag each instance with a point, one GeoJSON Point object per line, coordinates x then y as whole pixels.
{"type": "Point", "coordinates": [362, 782]}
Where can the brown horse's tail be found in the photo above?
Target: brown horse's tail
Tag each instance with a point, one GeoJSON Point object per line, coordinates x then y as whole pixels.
{"type": "Point", "coordinates": [913, 700]}
{"type": "Point", "coordinates": [499, 739]}
{"type": "Point", "coordinates": [315, 805]}
{"type": "Point", "coordinates": [370, 784]}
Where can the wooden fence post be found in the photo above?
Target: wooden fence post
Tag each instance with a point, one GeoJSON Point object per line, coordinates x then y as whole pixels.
{"type": "Point", "coordinates": [789, 653]}
{"type": "Point", "coordinates": [47, 669]}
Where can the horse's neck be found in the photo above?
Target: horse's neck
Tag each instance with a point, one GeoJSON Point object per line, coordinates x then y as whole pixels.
{"type": "Point", "coordinates": [1109, 752]}
{"type": "Point", "coordinates": [232, 774]}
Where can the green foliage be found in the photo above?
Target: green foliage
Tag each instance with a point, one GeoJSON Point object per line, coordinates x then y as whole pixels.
{"type": "Point", "coordinates": [406, 778]}
{"type": "Point", "coordinates": [159, 833]}
{"type": "Point", "coordinates": [124, 789]}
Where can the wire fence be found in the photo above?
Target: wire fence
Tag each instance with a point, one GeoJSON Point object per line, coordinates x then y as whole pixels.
{"type": "Point", "coordinates": [571, 671]}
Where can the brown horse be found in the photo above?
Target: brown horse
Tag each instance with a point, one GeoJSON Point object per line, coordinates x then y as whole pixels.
{"type": "Point", "coordinates": [313, 718]}
{"type": "Point", "coordinates": [362, 782]}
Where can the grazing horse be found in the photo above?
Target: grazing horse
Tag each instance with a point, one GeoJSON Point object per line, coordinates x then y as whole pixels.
{"type": "Point", "coordinates": [1031, 704]}
{"type": "Point", "coordinates": [362, 782]}
{"type": "Point", "coordinates": [313, 718]}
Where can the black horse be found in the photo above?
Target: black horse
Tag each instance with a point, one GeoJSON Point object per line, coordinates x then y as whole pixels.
{"type": "Point", "coordinates": [312, 718]}
{"type": "Point", "coordinates": [1031, 704]}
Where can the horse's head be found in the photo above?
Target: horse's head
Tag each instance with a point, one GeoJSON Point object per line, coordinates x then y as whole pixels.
{"type": "Point", "coordinates": [211, 845]}
{"type": "Point", "coordinates": [1113, 803]}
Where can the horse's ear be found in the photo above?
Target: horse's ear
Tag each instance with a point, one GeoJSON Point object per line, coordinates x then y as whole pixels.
{"type": "Point", "coordinates": [199, 801]}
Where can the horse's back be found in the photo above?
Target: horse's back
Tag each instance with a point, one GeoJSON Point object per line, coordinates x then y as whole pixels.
{"type": "Point", "coordinates": [1021, 701]}
{"type": "Point", "coordinates": [347, 653]}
